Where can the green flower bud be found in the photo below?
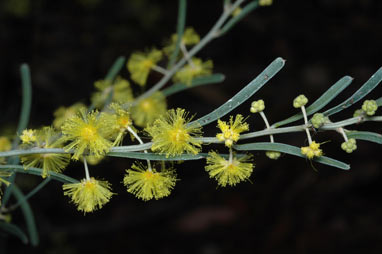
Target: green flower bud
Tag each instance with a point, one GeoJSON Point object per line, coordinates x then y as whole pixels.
{"type": "Point", "coordinates": [273, 155]}
{"type": "Point", "coordinates": [369, 106]}
{"type": "Point", "coordinates": [358, 112]}
{"type": "Point", "coordinates": [300, 101]}
{"type": "Point", "coordinates": [257, 106]}
{"type": "Point", "coordinates": [349, 146]}
{"type": "Point", "coordinates": [318, 120]}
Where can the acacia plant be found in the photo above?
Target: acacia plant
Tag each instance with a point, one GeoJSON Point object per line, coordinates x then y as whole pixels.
{"type": "Point", "coordinates": [115, 122]}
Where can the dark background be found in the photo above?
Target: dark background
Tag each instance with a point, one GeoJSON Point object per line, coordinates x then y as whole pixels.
{"type": "Point", "coordinates": [290, 207]}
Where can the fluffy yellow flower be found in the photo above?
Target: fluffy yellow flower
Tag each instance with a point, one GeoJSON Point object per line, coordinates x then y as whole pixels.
{"type": "Point", "coordinates": [90, 133]}
{"type": "Point", "coordinates": [149, 109]}
{"type": "Point", "coordinates": [311, 151]}
{"type": "Point", "coordinates": [194, 69]}
{"type": "Point", "coordinates": [231, 171]}
{"type": "Point", "coordinates": [89, 195]}
{"type": "Point", "coordinates": [146, 184]}
{"type": "Point", "coordinates": [47, 137]}
{"type": "Point", "coordinates": [190, 37]}
{"type": "Point", "coordinates": [120, 120]}
{"type": "Point", "coordinates": [63, 113]}
{"type": "Point", "coordinates": [28, 136]}
{"type": "Point", "coordinates": [231, 131]}
{"type": "Point", "coordinates": [140, 64]}
{"type": "Point", "coordinates": [172, 135]}
{"type": "Point", "coordinates": [121, 89]}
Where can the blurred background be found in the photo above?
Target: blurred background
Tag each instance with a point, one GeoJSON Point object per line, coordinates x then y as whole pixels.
{"type": "Point", "coordinates": [290, 206]}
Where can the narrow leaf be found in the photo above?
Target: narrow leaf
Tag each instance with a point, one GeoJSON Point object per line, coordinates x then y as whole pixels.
{"type": "Point", "coordinates": [292, 150]}
{"type": "Point", "coordinates": [243, 13]}
{"type": "Point", "coordinates": [112, 73]}
{"type": "Point", "coordinates": [14, 230]}
{"type": "Point", "coordinates": [365, 135]}
{"type": "Point", "coordinates": [244, 94]}
{"type": "Point", "coordinates": [321, 102]}
{"type": "Point", "coordinates": [31, 151]}
{"type": "Point", "coordinates": [26, 98]}
{"type": "Point", "coordinates": [130, 148]}
{"type": "Point", "coordinates": [379, 102]}
{"type": "Point", "coordinates": [34, 191]}
{"type": "Point", "coordinates": [176, 88]}
{"type": "Point", "coordinates": [28, 215]}
{"type": "Point", "coordinates": [155, 157]}
{"type": "Point", "coordinates": [115, 68]}
{"type": "Point", "coordinates": [37, 171]}
{"type": "Point", "coordinates": [359, 94]}
{"type": "Point", "coordinates": [162, 157]}
{"type": "Point", "coordinates": [26, 104]}
{"type": "Point", "coordinates": [179, 31]}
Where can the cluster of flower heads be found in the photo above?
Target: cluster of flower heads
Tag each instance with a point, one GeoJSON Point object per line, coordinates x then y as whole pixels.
{"type": "Point", "coordinates": [234, 169]}
{"type": "Point", "coordinates": [91, 134]}
{"type": "Point", "coordinates": [88, 133]}
{"type": "Point", "coordinates": [48, 138]}
{"type": "Point", "coordinates": [140, 64]}
{"type": "Point", "coordinates": [369, 107]}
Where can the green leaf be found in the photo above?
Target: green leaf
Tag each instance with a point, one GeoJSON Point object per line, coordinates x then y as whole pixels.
{"type": "Point", "coordinates": [14, 230]}
{"type": "Point", "coordinates": [115, 68]}
{"type": "Point", "coordinates": [244, 94]}
{"type": "Point", "coordinates": [37, 171]}
{"type": "Point", "coordinates": [155, 156]}
{"type": "Point", "coordinates": [162, 157]}
{"type": "Point", "coordinates": [26, 99]}
{"type": "Point", "coordinates": [31, 151]}
{"type": "Point", "coordinates": [379, 102]}
{"type": "Point", "coordinates": [179, 31]}
{"type": "Point", "coordinates": [321, 102]}
{"type": "Point", "coordinates": [28, 215]}
{"type": "Point", "coordinates": [213, 79]}
{"type": "Point", "coordinates": [365, 135]}
{"type": "Point", "coordinates": [130, 148]}
{"type": "Point", "coordinates": [111, 74]}
{"type": "Point", "coordinates": [292, 150]}
{"type": "Point", "coordinates": [34, 191]}
{"type": "Point", "coordinates": [26, 103]}
{"type": "Point", "coordinates": [359, 94]}
{"type": "Point", "coordinates": [244, 12]}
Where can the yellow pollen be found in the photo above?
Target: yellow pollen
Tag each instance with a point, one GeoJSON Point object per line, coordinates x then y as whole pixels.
{"type": "Point", "coordinates": [89, 133]}
{"type": "Point", "coordinates": [178, 135]}
{"type": "Point", "coordinates": [89, 185]}
{"type": "Point", "coordinates": [124, 121]}
{"type": "Point", "coordinates": [148, 175]}
{"type": "Point", "coordinates": [230, 168]}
